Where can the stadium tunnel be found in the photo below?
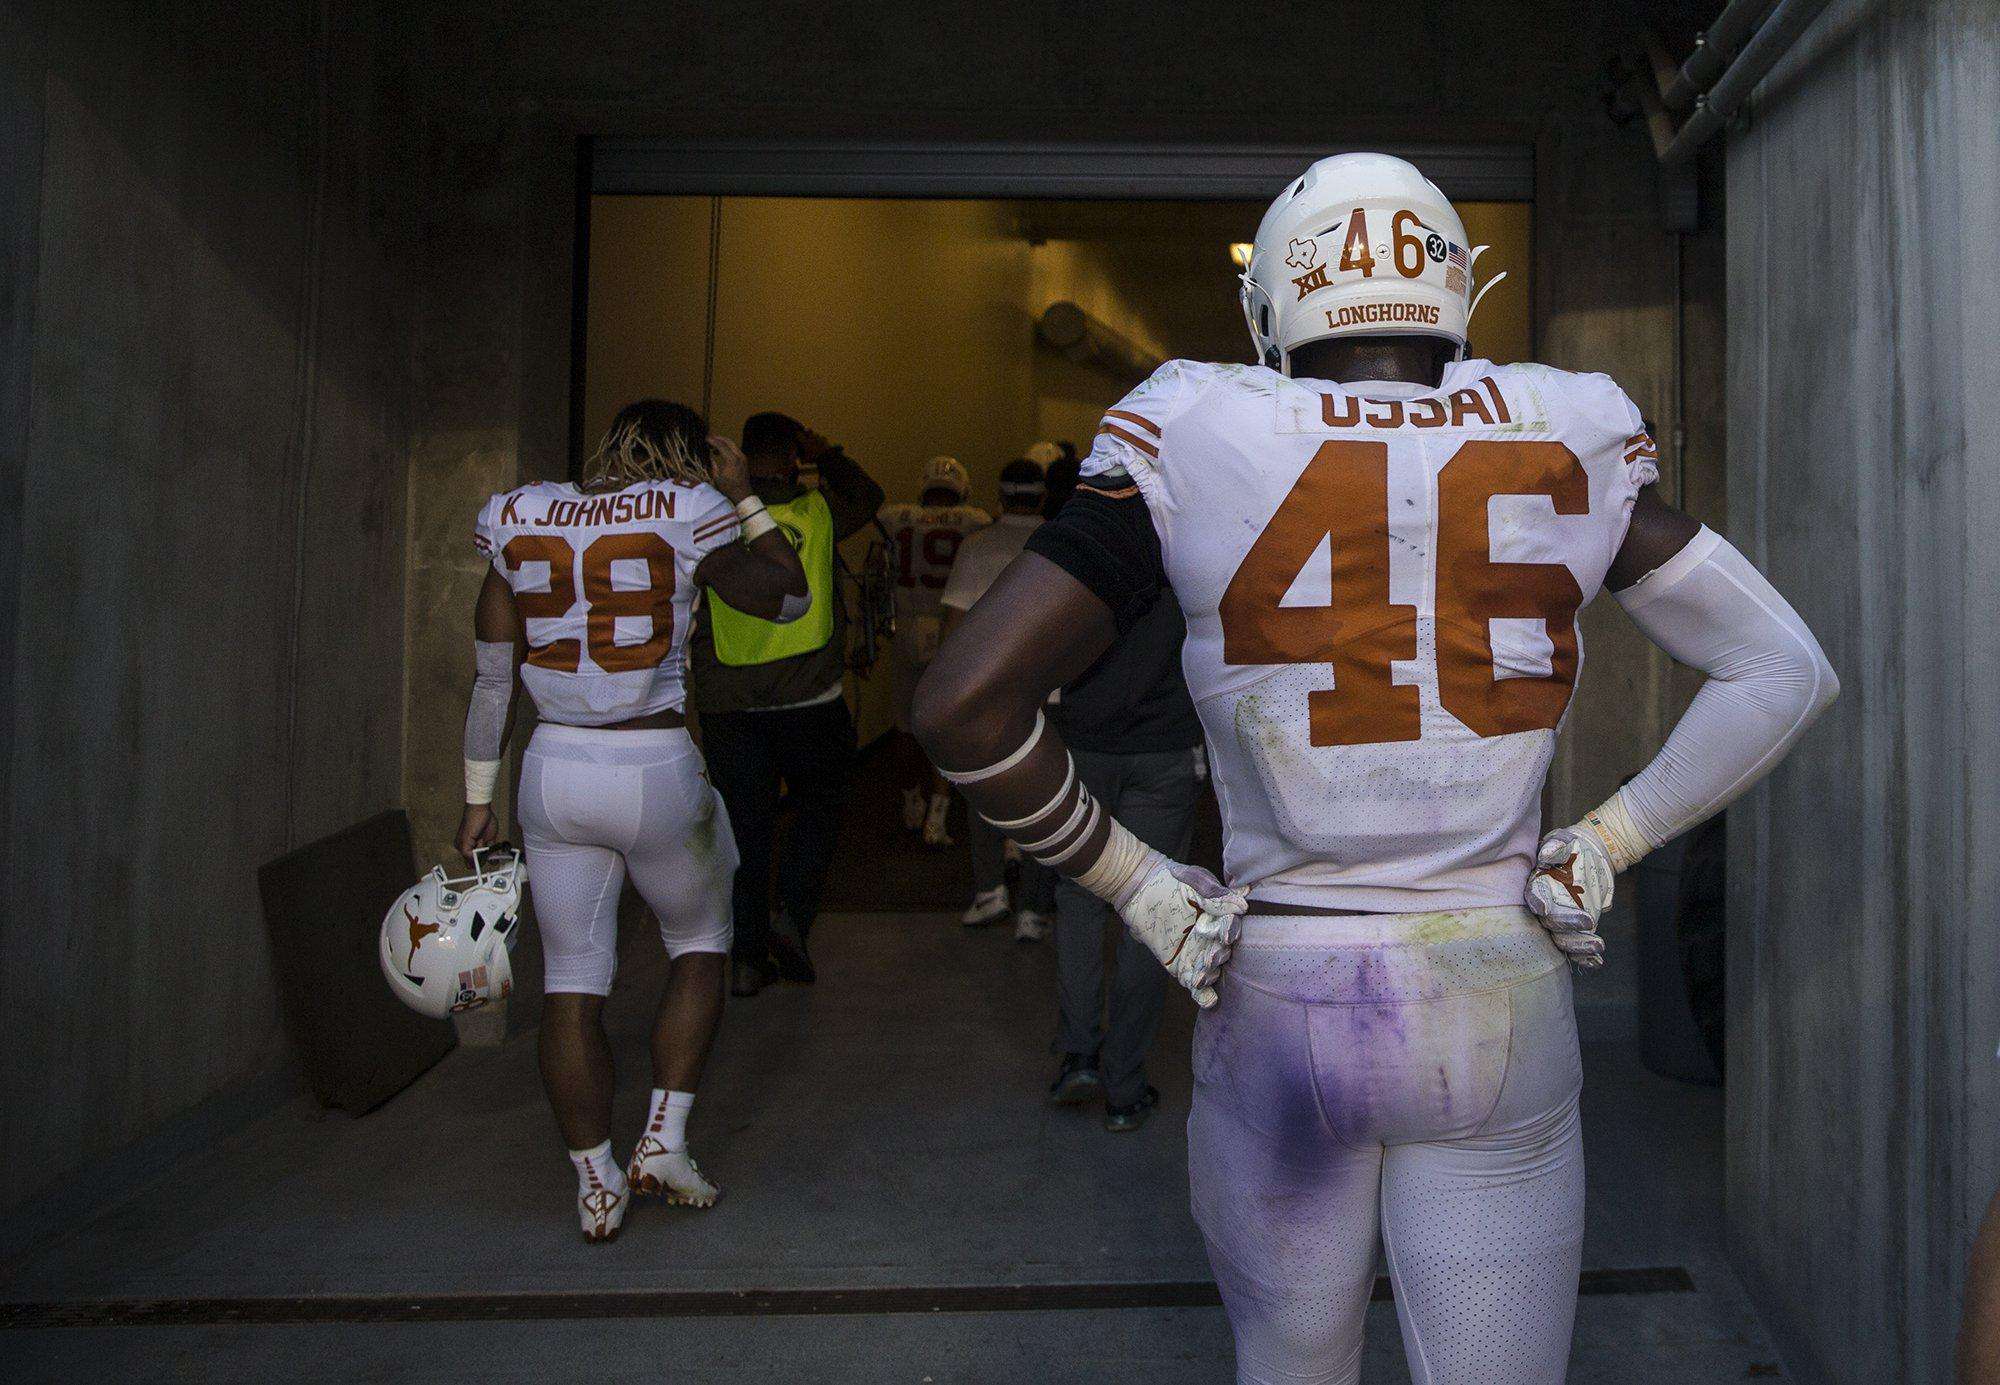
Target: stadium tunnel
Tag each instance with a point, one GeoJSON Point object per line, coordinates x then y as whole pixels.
{"type": "Point", "coordinates": [291, 289]}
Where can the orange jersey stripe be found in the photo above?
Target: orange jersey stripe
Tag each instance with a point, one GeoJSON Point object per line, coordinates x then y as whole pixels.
{"type": "Point", "coordinates": [1133, 438]}
{"type": "Point", "coordinates": [1129, 417]}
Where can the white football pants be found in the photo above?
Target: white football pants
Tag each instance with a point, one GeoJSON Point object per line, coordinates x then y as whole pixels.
{"type": "Point", "coordinates": [1410, 1079]}
{"type": "Point", "coordinates": [595, 804]}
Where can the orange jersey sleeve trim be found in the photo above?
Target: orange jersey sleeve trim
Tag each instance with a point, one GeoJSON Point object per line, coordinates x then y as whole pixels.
{"type": "Point", "coordinates": [1139, 420]}
{"type": "Point", "coordinates": [1130, 437]}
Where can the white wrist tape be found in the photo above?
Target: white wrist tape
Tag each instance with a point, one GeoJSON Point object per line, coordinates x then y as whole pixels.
{"type": "Point", "coordinates": [1121, 868]}
{"type": "Point", "coordinates": [480, 777]}
{"type": "Point", "coordinates": [974, 776]}
{"type": "Point", "coordinates": [1612, 824]}
{"type": "Point", "coordinates": [757, 521]}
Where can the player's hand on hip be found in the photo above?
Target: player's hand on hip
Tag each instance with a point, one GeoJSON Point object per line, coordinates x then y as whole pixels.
{"type": "Point", "coordinates": [1190, 921]}
{"type": "Point", "coordinates": [1569, 890]}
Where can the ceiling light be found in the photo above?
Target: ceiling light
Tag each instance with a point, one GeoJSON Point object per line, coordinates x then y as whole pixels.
{"type": "Point", "coordinates": [1239, 253]}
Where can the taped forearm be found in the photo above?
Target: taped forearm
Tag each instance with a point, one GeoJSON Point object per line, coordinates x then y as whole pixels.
{"type": "Point", "coordinates": [486, 717]}
{"type": "Point", "coordinates": [1767, 681]}
{"type": "Point", "coordinates": [1069, 831]}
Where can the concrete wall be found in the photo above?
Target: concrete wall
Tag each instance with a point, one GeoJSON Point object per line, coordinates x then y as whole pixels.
{"type": "Point", "coordinates": [204, 423]}
{"type": "Point", "coordinates": [1864, 408]}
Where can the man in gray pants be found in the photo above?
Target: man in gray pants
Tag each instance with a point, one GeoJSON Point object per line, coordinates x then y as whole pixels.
{"type": "Point", "coordinates": [1133, 731]}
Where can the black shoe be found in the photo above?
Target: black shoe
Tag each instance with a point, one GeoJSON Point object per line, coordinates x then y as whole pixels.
{"type": "Point", "coordinates": [1118, 1119]}
{"type": "Point", "coordinates": [791, 960]}
{"type": "Point", "coordinates": [1077, 1081]}
{"type": "Point", "coordinates": [746, 978]}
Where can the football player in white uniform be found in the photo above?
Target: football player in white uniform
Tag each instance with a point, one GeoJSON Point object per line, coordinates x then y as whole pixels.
{"type": "Point", "coordinates": [589, 598]}
{"type": "Point", "coordinates": [1381, 549]}
{"type": "Point", "coordinates": [923, 540]}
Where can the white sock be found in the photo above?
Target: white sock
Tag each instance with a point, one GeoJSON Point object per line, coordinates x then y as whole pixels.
{"type": "Point", "coordinates": [668, 1119]}
{"type": "Point", "coordinates": [595, 1168]}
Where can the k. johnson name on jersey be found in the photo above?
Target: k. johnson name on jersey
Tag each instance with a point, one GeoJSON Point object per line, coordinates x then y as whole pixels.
{"type": "Point", "coordinates": [624, 507]}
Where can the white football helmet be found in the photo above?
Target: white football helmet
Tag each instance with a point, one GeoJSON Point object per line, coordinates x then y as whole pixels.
{"type": "Point", "coordinates": [1358, 245]}
{"type": "Point", "coordinates": [445, 943]}
{"type": "Point", "coordinates": [946, 474]}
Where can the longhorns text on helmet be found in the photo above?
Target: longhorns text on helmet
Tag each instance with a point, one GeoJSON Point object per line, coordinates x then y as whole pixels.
{"type": "Point", "coordinates": [1358, 245]}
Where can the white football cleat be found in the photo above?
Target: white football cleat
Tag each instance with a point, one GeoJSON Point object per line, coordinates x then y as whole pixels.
{"type": "Point", "coordinates": [934, 828]}
{"type": "Point", "coordinates": [988, 906]}
{"type": "Point", "coordinates": [657, 1171]}
{"type": "Point", "coordinates": [1030, 927]}
{"type": "Point", "coordinates": [601, 1209]}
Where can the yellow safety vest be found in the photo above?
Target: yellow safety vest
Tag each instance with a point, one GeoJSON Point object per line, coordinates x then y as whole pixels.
{"type": "Point", "coordinates": [742, 639]}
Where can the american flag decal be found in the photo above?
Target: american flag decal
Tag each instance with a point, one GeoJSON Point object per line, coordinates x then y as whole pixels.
{"type": "Point", "coordinates": [1454, 255]}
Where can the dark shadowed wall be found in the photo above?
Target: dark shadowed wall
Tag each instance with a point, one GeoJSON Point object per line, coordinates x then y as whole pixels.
{"type": "Point", "coordinates": [204, 417]}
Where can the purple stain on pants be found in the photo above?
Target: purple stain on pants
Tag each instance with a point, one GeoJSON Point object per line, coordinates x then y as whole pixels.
{"type": "Point", "coordinates": [1419, 1094]}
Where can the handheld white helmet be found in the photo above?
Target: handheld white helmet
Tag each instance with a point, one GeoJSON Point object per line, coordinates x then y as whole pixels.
{"type": "Point", "coordinates": [946, 474]}
{"type": "Point", "coordinates": [445, 943]}
{"type": "Point", "coordinates": [1358, 245]}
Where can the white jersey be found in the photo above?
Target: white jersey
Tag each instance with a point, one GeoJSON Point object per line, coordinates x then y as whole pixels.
{"type": "Point", "coordinates": [605, 586]}
{"type": "Point", "coordinates": [1381, 584]}
{"type": "Point", "coordinates": [926, 540]}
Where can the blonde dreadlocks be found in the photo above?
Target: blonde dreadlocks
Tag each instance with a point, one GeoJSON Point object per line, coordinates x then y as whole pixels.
{"type": "Point", "coordinates": [651, 440]}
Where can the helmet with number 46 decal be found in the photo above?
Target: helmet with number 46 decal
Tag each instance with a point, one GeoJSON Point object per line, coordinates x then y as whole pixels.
{"type": "Point", "coordinates": [1358, 245]}
{"type": "Point", "coordinates": [445, 942]}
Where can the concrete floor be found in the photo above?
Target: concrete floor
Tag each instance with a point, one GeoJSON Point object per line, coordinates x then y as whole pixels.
{"type": "Point", "coordinates": [884, 1128]}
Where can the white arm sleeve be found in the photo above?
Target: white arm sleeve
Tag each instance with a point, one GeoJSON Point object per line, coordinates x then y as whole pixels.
{"type": "Point", "coordinates": [1767, 681]}
{"type": "Point", "coordinates": [492, 696]}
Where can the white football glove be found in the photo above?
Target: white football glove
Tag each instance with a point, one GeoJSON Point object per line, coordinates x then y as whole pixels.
{"type": "Point", "coordinates": [1569, 890]}
{"type": "Point", "coordinates": [1189, 919]}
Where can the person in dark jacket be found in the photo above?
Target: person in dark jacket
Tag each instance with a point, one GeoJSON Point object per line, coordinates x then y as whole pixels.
{"type": "Point", "coordinates": [1133, 732]}
{"type": "Point", "coordinates": [772, 703]}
